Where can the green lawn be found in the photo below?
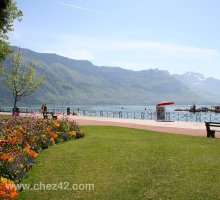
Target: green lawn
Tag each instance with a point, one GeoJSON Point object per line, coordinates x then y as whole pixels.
{"type": "Point", "coordinates": [129, 164]}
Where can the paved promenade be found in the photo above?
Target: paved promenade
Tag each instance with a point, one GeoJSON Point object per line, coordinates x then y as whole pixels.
{"type": "Point", "coordinates": [185, 128]}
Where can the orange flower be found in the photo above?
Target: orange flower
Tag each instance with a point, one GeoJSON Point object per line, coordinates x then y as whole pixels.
{"type": "Point", "coordinates": [7, 189]}
{"type": "Point", "coordinates": [3, 140]}
{"type": "Point", "coordinates": [12, 140]}
{"type": "Point", "coordinates": [31, 152]}
{"type": "Point", "coordinates": [52, 134]}
{"type": "Point", "coordinates": [4, 157]}
{"type": "Point", "coordinates": [18, 132]}
{"type": "Point", "coordinates": [31, 140]}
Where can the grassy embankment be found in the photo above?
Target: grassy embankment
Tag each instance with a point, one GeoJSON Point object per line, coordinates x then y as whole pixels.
{"type": "Point", "coordinates": [126, 164]}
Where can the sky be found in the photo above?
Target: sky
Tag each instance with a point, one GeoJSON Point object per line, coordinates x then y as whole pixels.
{"type": "Point", "coordinates": [173, 35]}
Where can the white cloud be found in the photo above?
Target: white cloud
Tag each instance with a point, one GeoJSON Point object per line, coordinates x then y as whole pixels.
{"type": "Point", "coordinates": [140, 55]}
{"type": "Point", "coordinates": [165, 49]}
{"type": "Point", "coordinates": [139, 51]}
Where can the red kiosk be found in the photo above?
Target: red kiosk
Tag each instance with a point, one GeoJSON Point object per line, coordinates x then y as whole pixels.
{"type": "Point", "coordinates": [160, 110]}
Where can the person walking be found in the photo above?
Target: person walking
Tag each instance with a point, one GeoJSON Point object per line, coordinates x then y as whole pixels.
{"type": "Point", "coordinates": [42, 108]}
{"type": "Point", "coordinates": [45, 108]}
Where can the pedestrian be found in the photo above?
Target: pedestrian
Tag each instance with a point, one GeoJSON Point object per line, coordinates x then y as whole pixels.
{"type": "Point", "coordinates": [68, 111]}
{"type": "Point", "coordinates": [42, 108]}
{"type": "Point", "coordinates": [45, 108]}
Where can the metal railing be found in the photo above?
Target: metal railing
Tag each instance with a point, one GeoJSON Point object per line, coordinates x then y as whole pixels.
{"type": "Point", "coordinates": [170, 116]}
{"type": "Point", "coordinates": [143, 115]}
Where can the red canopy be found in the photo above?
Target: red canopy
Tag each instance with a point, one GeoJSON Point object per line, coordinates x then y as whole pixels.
{"type": "Point", "coordinates": [164, 103]}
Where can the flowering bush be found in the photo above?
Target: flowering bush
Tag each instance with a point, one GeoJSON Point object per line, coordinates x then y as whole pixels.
{"type": "Point", "coordinates": [21, 140]}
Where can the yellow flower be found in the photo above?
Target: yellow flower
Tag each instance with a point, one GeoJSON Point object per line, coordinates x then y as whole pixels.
{"type": "Point", "coordinates": [72, 133]}
{"type": "Point", "coordinates": [52, 140]}
{"type": "Point", "coordinates": [21, 166]}
{"type": "Point", "coordinates": [11, 158]}
{"type": "Point", "coordinates": [4, 180]}
{"type": "Point", "coordinates": [56, 124]}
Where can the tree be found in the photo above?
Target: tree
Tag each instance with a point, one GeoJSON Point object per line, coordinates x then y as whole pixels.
{"type": "Point", "coordinates": [21, 80]}
{"type": "Point", "coordinates": [8, 13]}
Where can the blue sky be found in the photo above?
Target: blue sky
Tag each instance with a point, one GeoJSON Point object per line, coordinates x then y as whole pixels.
{"type": "Point", "coordinates": [173, 35]}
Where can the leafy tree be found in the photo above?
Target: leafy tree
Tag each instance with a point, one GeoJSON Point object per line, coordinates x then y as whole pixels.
{"type": "Point", "coordinates": [21, 80]}
{"type": "Point", "coordinates": [8, 13]}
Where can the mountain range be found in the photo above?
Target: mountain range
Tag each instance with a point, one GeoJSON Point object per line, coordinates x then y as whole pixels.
{"type": "Point", "coordinates": [79, 82]}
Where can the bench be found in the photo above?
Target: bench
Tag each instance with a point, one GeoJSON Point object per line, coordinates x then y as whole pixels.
{"type": "Point", "coordinates": [45, 115]}
{"type": "Point", "coordinates": [211, 133]}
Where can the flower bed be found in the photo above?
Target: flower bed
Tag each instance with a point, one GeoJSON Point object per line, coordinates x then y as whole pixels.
{"type": "Point", "coordinates": [21, 140]}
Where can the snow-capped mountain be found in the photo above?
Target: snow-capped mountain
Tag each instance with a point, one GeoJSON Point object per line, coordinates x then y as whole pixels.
{"type": "Point", "coordinates": [193, 76]}
{"type": "Point", "coordinates": [207, 88]}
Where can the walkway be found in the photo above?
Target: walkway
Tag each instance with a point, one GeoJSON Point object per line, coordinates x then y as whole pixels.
{"type": "Point", "coordinates": [185, 128]}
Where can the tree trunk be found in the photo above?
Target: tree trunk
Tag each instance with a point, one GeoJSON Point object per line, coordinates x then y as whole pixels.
{"type": "Point", "coordinates": [15, 101]}
{"type": "Point", "coordinates": [15, 110]}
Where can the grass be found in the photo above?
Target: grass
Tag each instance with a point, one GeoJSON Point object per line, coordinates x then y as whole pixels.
{"type": "Point", "coordinates": [127, 163]}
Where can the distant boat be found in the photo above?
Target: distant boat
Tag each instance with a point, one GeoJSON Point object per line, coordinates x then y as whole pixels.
{"type": "Point", "coordinates": [215, 109]}
{"type": "Point", "coordinates": [193, 109]}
